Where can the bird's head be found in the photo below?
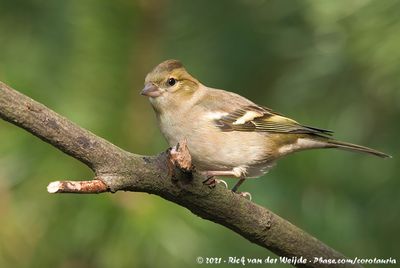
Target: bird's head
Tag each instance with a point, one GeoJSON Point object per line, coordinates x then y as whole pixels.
{"type": "Point", "coordinates": [169, 83]}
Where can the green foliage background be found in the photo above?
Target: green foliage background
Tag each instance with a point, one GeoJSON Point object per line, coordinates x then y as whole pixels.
{"type": "Point", "coordinates": [330, 64]}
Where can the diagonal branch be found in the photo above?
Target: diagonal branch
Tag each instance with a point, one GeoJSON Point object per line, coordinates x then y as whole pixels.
{"type": "Point", "coordinates": [56, 130]}
{"type": "Point", "coordinates": [166, 175]}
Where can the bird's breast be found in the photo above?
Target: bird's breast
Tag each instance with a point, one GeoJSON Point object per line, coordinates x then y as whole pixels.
{"type": "Point", "coordinates": [213, 149]}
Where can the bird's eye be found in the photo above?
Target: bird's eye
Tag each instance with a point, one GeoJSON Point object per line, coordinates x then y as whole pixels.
{"type": "Point", "coordinates": [171, 81]}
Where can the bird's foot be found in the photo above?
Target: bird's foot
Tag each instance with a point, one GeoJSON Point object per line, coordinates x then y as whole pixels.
{"type": "Point", "coordinates": [223, 182]}
{"type": "Point", "coordinates": [212, 182]}
{"type": "Point", "coordinates": [246, 195]}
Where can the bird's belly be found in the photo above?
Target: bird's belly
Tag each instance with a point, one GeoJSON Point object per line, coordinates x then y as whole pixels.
{"type": "Point", "coordinates": [229, 151]}
{"type": "Point", "coordinates": [213, 150]}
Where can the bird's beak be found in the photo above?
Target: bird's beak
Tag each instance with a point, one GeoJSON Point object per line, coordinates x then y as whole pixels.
{"type": "Point", "coordinates": [151, 90]}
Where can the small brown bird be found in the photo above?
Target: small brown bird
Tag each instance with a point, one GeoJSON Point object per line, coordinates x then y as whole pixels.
{"type": "Point", "coordinates": [227, 134]}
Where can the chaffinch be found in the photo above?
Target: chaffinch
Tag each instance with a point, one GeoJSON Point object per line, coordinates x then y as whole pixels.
{"type": "Point", "coordinates": [227, 134]}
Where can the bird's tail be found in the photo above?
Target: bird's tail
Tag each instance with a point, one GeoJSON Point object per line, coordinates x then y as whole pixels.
{"type": "Point", "coordinates": [331, 143]}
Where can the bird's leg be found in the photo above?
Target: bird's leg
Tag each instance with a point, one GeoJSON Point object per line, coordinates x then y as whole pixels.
{"type": "Point", "coordinates": [219, 173]}
{"type": "Point", "coordinates": [211, 181]}
{"type": "Point", "coordinates": [236, 172]}
{"type": "Point", "coordinates": [234, 189]}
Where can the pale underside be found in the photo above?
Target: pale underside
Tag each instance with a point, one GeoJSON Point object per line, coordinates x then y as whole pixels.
{"type": "Point", "coordinates": [239, 143]}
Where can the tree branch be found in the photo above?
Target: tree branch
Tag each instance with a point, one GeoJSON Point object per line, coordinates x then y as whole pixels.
{"type": "Point", "coordinates": [168, 175]}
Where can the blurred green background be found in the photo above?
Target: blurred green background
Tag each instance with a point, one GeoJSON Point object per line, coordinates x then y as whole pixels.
{"type": "Point", "coordinates": [329, 64]}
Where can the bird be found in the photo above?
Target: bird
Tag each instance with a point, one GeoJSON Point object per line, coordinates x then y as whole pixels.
{"type": "Point", "coordinates": [228, 135]}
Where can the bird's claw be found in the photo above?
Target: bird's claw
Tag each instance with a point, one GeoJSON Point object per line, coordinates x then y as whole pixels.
{"type": "Point", "coordinates": [223, 182]}
{"type": "Point", "coordinates": [246, 195]}
{"type": "Point", "coordinates": [212, 182]}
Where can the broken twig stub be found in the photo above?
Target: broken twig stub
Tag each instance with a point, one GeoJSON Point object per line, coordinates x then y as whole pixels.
{"type": "Point", "coordinates": [78, 187]}
{"type": "Point", "coordinates": [180, 157]}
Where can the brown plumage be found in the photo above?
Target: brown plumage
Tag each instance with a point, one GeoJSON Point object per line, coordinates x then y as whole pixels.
{"type": "Point", "coordinates": [227, 134]}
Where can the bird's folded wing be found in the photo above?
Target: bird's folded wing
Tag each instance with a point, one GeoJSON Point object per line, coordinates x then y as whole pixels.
{"type": "Point", "coordinates": [262, 119]}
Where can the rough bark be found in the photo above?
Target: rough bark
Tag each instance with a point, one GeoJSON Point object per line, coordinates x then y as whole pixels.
{"type": "Point", "coordinates": [166, 175]}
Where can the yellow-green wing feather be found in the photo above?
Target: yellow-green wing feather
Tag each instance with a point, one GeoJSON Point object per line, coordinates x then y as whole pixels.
{"type": "Point", "coordinates": [261, 119]}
